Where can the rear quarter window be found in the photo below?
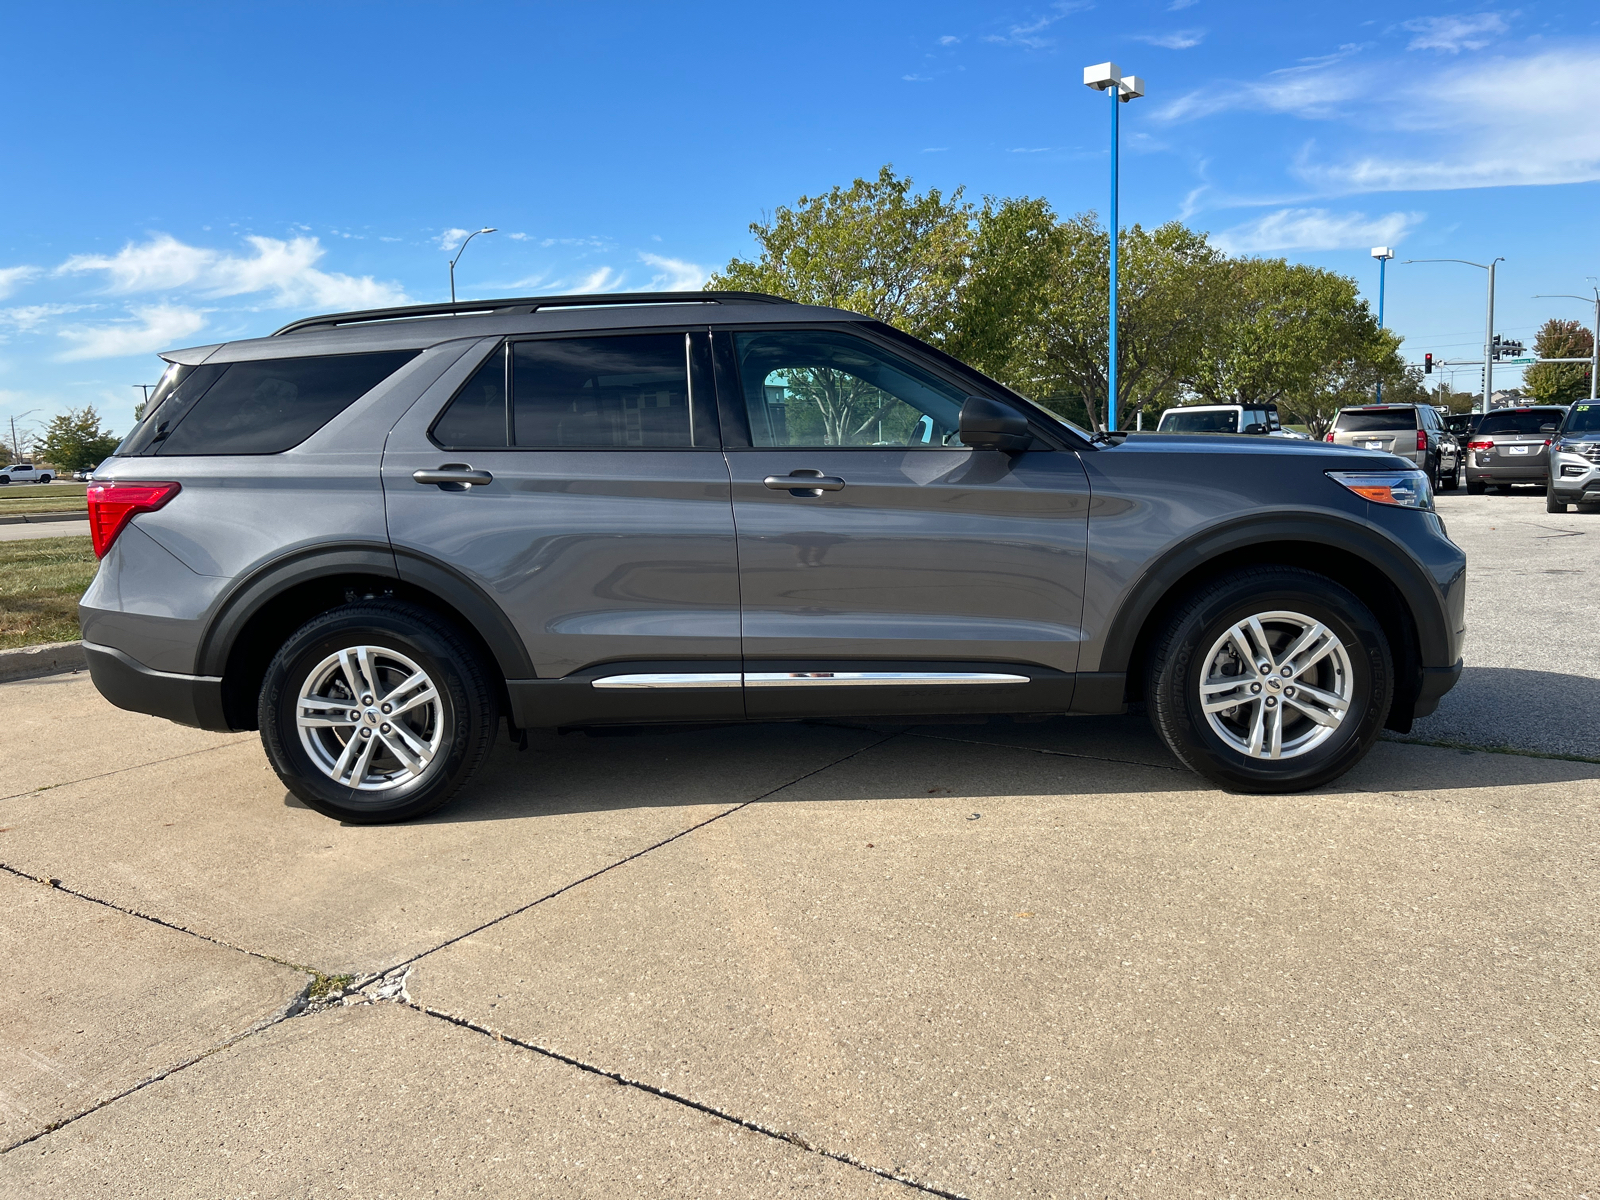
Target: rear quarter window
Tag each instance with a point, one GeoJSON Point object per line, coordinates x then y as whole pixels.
{"type": "Point", "coordinates": [268, 406]}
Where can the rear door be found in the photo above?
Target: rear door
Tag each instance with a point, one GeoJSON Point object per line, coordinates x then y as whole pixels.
{"type": "Point", "coordinates": [884, 567]}
{"type": "Point", "coordinates": [599, 521]}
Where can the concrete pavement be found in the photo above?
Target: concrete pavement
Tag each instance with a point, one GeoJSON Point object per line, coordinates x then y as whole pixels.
{"type": "Point", "coordinates": [983, 961]}
{"type": "Point", "coordinates": [32, 531]}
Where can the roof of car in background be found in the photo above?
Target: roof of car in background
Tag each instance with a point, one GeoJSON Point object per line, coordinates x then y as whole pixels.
{"type": "Point", "coordinates": [420, 325]}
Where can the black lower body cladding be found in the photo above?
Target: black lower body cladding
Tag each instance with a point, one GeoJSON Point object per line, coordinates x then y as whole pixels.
{"type": "Point", "coordinates": [1334, 721]}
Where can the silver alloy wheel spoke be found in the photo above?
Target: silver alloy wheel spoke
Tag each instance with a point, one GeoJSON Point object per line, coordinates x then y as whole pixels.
{"type": "Point", "coordinates": [1276, 685]}
{"type": "Point", "coordinates": [346, 732]}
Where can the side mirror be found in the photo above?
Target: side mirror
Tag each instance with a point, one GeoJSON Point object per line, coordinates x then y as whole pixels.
{"type": "Point", "coordinates": [989, 425]}
{"type": "Point", "coordinates": [1255, 427]}
{"type": "Point", "coordinates": [1547, 429]}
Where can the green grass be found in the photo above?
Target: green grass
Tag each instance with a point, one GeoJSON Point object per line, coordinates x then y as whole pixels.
{"type": "Point", "coordinates": [57, 497]}
{"type": "Point", "coordinates": [40, 582]}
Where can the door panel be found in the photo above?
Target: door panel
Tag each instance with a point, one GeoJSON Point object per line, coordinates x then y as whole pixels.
{"type": "Point", "coordinates": [597, 555]}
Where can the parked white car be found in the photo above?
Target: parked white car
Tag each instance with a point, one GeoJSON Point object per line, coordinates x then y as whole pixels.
{"type": "Point", "coordinates": [1261, 419]}
{"type": "Point", "coordinates": [25, 473]}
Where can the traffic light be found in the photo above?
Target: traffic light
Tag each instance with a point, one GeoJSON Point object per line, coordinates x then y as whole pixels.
{"type": "Point", "coordinates": [1427, 364]}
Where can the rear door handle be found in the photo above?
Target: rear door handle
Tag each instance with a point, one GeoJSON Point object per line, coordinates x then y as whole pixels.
{"type": "Point", "coordinates": [804, 483]}
{"type": "Point", "coordinates": [453, 476]}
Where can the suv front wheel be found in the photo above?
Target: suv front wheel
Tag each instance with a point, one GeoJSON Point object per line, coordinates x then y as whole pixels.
{"type": "Point", "coordinates": [1271, 679]}
{"type": "Point", "coordinates": [376, 711]}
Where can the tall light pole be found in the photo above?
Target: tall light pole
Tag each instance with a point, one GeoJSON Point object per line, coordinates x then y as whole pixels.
{"type": "Point", "coordinates": [1488, 327]}
{"type": "Point", "coordinates": [16, 448]}
{"type": "Point", "coordinates": [457, 258]}
{"type": "Point", "coordinates": [1594, 342]}
{"type": "Point", "coordinates": [1383, 254]}
{"type": "Point", "coordinates": [1108, 77]}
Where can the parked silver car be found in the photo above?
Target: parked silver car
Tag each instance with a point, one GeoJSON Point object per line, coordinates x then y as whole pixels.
{"type": "Point", "coordinates": [1575, 459]}
{"type": "Point", "coordinates": [1511, 446]}
{"type": "Point", "coordinates": [1415, 432]}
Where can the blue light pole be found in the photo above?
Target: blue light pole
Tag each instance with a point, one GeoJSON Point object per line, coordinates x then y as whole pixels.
{"type": "Point", "coordinates": [1108, 77]}
{"type": "Point", "coordinates": [1383, 254]}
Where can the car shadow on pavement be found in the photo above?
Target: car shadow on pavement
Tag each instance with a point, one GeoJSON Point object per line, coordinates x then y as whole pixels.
{"type": "Point", "coordinates": [1528, 710]}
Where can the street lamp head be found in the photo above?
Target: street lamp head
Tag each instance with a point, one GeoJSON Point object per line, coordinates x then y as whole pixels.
{"type": "Point", "coordinates": [1102, 76]}
{"type": "Point", "coordinates": [488, 229]}
{"type": "Point", "coordinates": [1384, 252]}
{"type": "Point", "coordinates": [1131, 88]}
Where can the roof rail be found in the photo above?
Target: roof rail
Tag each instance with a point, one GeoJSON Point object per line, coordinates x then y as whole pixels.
{"type": "Point", "coordinates": [523, 304]}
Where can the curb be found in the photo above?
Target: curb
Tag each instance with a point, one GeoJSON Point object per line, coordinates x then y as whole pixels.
{"type": "Point", "coordinates": [42, 518]}
{"type": "Point", "coordinates": [52, 658]}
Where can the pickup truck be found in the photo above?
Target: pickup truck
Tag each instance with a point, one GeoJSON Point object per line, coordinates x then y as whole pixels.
{"type": "Point", "coordinates": [25, 473]}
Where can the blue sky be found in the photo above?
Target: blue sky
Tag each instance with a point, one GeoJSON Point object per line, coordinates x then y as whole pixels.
{"type": "Point", "coordinates": [182, 174]}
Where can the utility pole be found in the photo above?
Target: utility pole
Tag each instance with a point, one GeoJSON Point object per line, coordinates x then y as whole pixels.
{"type": "Point", "coordinates": [1488, 326]}
{"type": "Point", "coordinates": [16, 447]}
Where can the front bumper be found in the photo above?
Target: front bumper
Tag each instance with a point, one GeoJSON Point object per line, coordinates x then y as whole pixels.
{"type": "Point", "coordinates": [1436, 681]}
{"type": "Point", "coordinates": [187, 699]}
{"type": "Point", "coordinates": [1575, 479]}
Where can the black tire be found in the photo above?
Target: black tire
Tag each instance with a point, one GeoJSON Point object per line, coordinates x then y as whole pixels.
{"type": "Point", "coordinates": [1551, 504]}
{"type": "Point", "coordinates": [466, 713]}
{"type": "Point", "coordinates": [1475, 489]}
{"type": "Point", "coordinates": [1451, 482]}
{"type": "Point", "coordinates": [1177, 664]}
{"type": "Point", "coordinates": [43, 479]}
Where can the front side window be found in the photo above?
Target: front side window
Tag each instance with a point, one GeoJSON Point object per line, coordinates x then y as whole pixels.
{"type": "Point", "coordinates": [817, 387]}
{"type": "Point", "coordinates": [267, 406]}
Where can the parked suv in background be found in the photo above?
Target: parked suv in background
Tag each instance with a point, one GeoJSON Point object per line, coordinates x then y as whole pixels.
{"type": "Point", "coordinates": [1575, 459]}
{"type": "Point", "coordinates": [23, 472]}
{"type": "Point", "coordinates": [1510, 446]}
{"type": "Point", "coordinates": [1413, 431]}
{"type": "Point", "coordinates": [374, 535]}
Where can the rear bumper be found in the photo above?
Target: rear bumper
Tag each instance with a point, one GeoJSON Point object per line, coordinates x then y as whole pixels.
{"type": "Point", "coordinates": [187, 699]}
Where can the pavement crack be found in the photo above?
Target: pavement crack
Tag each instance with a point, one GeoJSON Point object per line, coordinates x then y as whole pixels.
{"type": "Point", "coordinates": [155, 762]}
{"type": "Point", "coordinates": [366, 980]}
{"type": "Point", "coordinates": [794, 1139]}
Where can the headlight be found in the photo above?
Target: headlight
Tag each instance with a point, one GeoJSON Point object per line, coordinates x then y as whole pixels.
{"type": "Point", "coordinates": [1405, 489]}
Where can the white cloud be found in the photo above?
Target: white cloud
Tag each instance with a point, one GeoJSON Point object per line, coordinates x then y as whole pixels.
{"type": "Point", "coordinates": [675, 274]}
{"type": "Point", "coordinates": [1455, 33]}
{"type": "Point", "coordinates": [1028, 33]}
{"type": "Point", "coordinates": [917, 78]}
{"type": "Point", "coordinates": [1178, 39]}
{"type": "Point", "coordinates": [451, 238]}
{"type": "Point", "coordinates": [155, 327]}
{"type": "Point", "coordinates": [29, 317]}
{"type": "Point", "coordinates": [1180, 5]}
{"type": "Point", "coordinates": [285, 269]}
{"type": "Point", "coordinates": [948, 40]}
{"type": "Point", "coordinates": [602, 280]}
{"type": "Point", "coordinates": [1315, 229]}
{"type": "Point", "coordinates": [11, 278]}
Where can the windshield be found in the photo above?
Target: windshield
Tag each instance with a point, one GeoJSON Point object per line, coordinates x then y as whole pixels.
{"type": "Point", "coordinates": [1199, 420]}
{"type": "Point", "coordinates": [1369, 420]}
{"type": "Point", "coordinates": [1583, 418]}
{"type": "Point", "coordinates": [1531, 420]}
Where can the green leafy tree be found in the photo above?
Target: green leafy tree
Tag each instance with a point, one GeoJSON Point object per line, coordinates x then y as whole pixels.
{"type": "Point", "coordinates": [1560, 383]}
{"type": "Point", "coordinates": [74, 440]}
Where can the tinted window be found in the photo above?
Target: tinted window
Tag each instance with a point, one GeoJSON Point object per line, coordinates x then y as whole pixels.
{"type": "Point", "coordinates": [1583, 418]}
{"type": "Point", "coordinates": [1373, 420]}
{"type": "Point", "coordinates": [815, 387]}
{"type": "Point", "coordinates": [1530, 421]}
{"type": "Point", "coordinates": [602, 392]}
{"type": "Point", "coordinates": [1200, 420]}
{"type": "Point", "coordinates": [476, 418]}
{"type": "Point", "coordinates": [267, 407]}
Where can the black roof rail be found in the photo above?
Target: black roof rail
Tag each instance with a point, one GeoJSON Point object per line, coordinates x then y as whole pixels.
{"type": "Point", "coordinates": [523, 304]}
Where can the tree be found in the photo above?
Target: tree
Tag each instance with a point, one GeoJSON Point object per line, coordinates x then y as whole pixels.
{"type": "Point", "coordinates": [1560, 383]}
{"type": "Point", "coordinates": [74, 440]}
{"type": "Point", "coordinates": [873, 248]}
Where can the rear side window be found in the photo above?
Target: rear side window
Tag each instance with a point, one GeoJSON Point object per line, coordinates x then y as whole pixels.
{"type": "Point", "coordinates": [1538, 420]}
{"type": "Point", "coordinates": [1213, 420]}
{"type": "Point", "coordinates": [266, 407]}
{"type": "Point", "coordinates": [1375, 420]}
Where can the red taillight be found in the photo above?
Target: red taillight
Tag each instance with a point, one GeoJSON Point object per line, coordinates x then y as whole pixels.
{"type": "Point", "coordinates": [113, 505]}
{"type": "Point", "coordinates": [1329, 438]}
{"type": "Point", "coordinates": [1480, 445]}
{"type": "Point", "coordinates": [1422, 440]}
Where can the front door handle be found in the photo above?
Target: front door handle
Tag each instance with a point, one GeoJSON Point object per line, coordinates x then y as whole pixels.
{"type": "Point", "coordinates": [453, 477]}
{"type": "Point", "coordinates": [804, 483]}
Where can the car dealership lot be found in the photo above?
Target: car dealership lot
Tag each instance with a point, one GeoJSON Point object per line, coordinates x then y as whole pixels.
{"type": "Point", "coordinates": [1004, 959]}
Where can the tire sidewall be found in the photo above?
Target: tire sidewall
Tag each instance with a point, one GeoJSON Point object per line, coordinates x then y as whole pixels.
{"type": "Point", "coordinates": [1178, 688]}
{"type": "Point", "coordinates": [311, 645]}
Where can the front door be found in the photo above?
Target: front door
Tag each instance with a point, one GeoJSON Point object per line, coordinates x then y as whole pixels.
{"type": "Point", "coordinates": [577, 483]}
{"type": "Point", "coordinates": [884, 567]}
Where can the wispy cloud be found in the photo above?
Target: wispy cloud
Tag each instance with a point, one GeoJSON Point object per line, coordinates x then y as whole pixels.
{"type": "Point", "coordinates": [674, 274]}
{"type": "Point", "coordinates": [948, 40]}
{"type": "Point", "coordinates": [31, 316]}
{"type": "Point", "coordinates": [1180, 5]}
{"type": "Point", "coordinates": [605, 279]}
{"type": "Point", "coordinates": [1455, 33]}
{"type": "Point", "coordinates": [1178, 39]}
{"type": "Point", "coordinates": [1029, 34]}
{"type": "Point", "coordinates": [1315, 229]}
{"type": "Point", "coordinates": [152, 328]}
{"type": "Point", "coordinates": [917, 78]}
{"type": "Point", "coordinates": [285, 270]}
{"type": "Point", "coordinates": [12, 278]}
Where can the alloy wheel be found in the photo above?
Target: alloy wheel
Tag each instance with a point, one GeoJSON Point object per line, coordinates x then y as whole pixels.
{"type": "Point", "coordinates": [369, 718]}
{"type": "Point", "coordinates": [1276, 685]}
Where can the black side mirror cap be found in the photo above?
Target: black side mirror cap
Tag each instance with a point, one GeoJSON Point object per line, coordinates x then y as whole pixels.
{"type": "Point", "coordinates": [1255, 427]}
{"type": "Point", "coordinates": [989, 425]}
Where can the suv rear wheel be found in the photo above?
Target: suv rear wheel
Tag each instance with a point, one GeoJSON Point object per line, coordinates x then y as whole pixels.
{"type": "Point", "coordinates": [376, 711]}
{"type": "Point", "coordinates": [1271, 679]}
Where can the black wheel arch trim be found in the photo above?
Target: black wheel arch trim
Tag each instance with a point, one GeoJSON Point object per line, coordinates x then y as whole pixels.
{"type": "Point", "coordinates": [309, 564]}
{"type": "Point", "coordinates": [1408, 576]}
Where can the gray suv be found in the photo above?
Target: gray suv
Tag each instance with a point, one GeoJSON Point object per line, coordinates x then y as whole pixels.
{"type": "Point", "coordinates": [375, 536]}
{"type": "Point", "coordinates": [1415, 432]}
{"type": "Point", "coordinates": [1510, 446]}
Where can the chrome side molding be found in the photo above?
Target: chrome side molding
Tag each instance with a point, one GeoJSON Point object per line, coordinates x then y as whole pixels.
{"type": "Point", "coordinates": [809, 679]}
